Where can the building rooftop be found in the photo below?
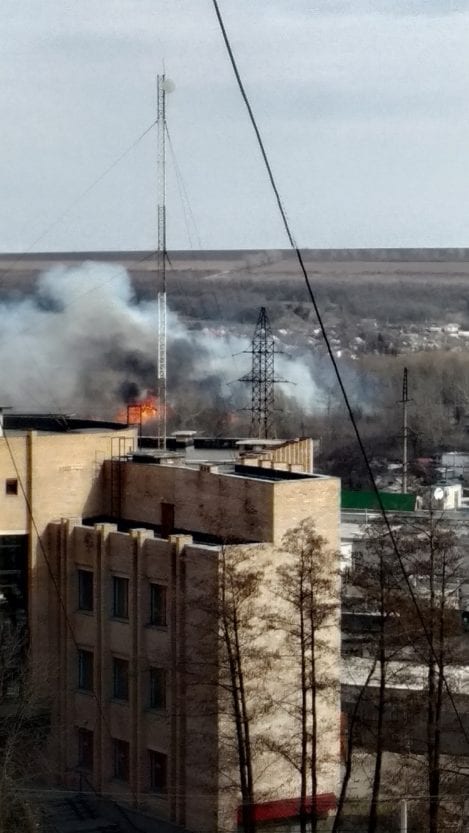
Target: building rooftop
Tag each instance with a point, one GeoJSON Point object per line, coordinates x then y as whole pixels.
{"type": "Point", "coordinates": [234, 466]}
{"type": "Point", "coordinates": [16, 423]}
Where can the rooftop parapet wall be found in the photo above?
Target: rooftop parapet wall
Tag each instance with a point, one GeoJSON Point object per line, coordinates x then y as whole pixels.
{"type": "Point", "coordinates": [229, 506]}
{"type": "Point", "coordinates": [317, 498]}
{"type": "Point", "coordinates": [205, 502]}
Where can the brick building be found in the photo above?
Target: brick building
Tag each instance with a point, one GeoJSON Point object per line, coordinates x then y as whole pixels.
{"type": "Point", "coordinates": [122, 549]}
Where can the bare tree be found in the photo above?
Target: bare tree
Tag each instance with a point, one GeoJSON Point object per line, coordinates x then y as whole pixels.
{"type": "Point", "coordinates": [22, 733]}
{"type": "Point", "coordinates": [379, 582]}
{"type": "Point", "coordinates": [349, 745]}
{"type": "Point", "coordinates": [239, 586]}
{"type": "Point", "coordinates": [230, 666]}
{"type": "Point", "coordinates": [307, 584]}
{"type": "Point", "coordinates": [433, 562]}
{"type": "Point", "coordinates": [411, 583]}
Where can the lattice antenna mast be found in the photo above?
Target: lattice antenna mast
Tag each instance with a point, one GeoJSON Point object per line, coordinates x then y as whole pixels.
{"type": "Point", "coordinates": [262, 378]}
{"type": "Point", "coordinates": [163, 86]}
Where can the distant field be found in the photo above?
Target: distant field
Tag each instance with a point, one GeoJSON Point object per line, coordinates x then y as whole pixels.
{"type": "Point", "coordinates": [394, 285]}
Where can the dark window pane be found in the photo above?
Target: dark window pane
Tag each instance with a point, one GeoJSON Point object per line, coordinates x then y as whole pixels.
{"type": "Point", "coordinates": [85, 590]}
{"type": "Point", "coordinates": [157, 688]}
{"type": "Point", "coordinates": [121, 760]}
{"type": "Point", "coordinates": [85, 749]}
{"type": "Point", "coordinates": [158, 771]}
{"type": "Point", "coordinates": [167, 519]}
{"type": "Point", "coordinates": [85, 670]}
{"type": "Point", "coordinates": [11, 486]}
{"type": "Point", "coordinates": [13, 577]}
{"type": "Point", "coordinates": [158, 604]}
{"type": "Point", "coordinates": [121, 678]}
{"type": "Point", "coordinates": [120, 597]}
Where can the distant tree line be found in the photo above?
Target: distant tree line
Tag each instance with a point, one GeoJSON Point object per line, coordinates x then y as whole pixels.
{"type": "Point", "coordinates": [399, 301]}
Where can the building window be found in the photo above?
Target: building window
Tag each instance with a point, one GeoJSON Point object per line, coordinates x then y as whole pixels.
{"type": "Point", "coordinates": [120, 607]}
{"type": "Point", "coordinates": [120, 678]}
{"type": "Point", "coordinates": [11, 486]}
{"type": "Point", "coordinates": [85, 670]}
{"type": "Point", "coordinates": [121, 759]}
{"type": "Point", "coordinates": [85, 749]}
{"type": "Point", "coordinates": [158, 771]}
{"type": "Point", "coordinates": [158, 605]}
{"type": "Point", "coordinates": [85, 590]}
{"type": "Point", "coordinates": [157, 688]}
{"type": "Point", "coordinates": [167, 519]}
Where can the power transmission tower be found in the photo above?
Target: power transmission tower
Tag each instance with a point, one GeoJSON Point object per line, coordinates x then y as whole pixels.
{"type": "Point", "coordinates": [262, 378]}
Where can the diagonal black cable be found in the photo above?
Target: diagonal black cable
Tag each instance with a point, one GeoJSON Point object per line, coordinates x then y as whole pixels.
{"type": "Point", "coordinates": [335, 366]}
{"type": "Point", "coordinates": [69, 208]}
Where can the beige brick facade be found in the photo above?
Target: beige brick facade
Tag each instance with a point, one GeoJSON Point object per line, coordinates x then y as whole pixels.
{"type": "Point", "coordinates": [233, 507]}
{"type": "Point", "coordinates": [58, 475]}
{"type": "Point", "coordinates": [104, 667]}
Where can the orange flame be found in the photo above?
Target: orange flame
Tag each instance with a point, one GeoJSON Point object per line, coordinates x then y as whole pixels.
{"type": "Point", "coordinates": [140, 412]}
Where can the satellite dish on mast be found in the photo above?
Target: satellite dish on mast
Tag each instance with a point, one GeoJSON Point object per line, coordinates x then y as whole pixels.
{"type": "Point", "coordinates": [438, 493]}
{"type": "Point", "coordinates": [168, 85]}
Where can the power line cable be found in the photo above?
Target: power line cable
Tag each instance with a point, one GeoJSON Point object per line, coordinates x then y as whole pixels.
{"type": "Point", "coordinates": [330, 352]}
{"type": "Point", "coordinates": [69, 208]}
{"type": "Point", "coordinates": [183, 195]}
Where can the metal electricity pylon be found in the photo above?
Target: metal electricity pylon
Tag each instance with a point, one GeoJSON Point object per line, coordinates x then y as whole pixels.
{"type": "Point", "coordinates": [262, 378]}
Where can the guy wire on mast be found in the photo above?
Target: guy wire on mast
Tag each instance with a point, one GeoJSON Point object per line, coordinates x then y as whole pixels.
{"type": "Point", "coordinates": [163, 86]}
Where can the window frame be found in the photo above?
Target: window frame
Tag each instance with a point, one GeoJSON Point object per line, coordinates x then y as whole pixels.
{"type": "Point", "coordinates": [85, 669]}
{"type": "Point", "coordinates": [158, 680]}
{"type": "Point", "coordinates": [85, 748]}
{"type": "Point", "coordinates": [156, 758]}
{"type": "Point", "coordinates": [84, 590]}
{"type": "Point", "coordinates": [120, 678]}
{"type": "Point", "coordinates": [158, 609]}
{"type": "Point", "coordinates": [120, 603]}
{"type": "Point", "coordinates": [121, 754]}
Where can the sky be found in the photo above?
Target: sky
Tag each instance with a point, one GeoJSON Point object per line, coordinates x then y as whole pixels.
{"type": "Point", "coordinates": [363, 106]}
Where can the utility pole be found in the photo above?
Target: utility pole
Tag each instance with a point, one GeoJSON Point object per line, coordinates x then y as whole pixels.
{"type": "Point", "coordinates": [262, 378]}
{"type": "Point", "coordinates": [405, 431]}
{"type": "Point", "coordinates": [164, 86]}
{"type": "Point", "coordinates": [403, 808]}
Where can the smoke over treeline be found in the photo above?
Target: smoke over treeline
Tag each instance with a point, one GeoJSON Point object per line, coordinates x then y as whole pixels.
{"type": "Point", "coordinates": [82, 343]}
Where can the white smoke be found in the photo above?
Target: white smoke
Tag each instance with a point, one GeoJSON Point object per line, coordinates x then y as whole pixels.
{"type": "Point", "coordinates": [82, 344]}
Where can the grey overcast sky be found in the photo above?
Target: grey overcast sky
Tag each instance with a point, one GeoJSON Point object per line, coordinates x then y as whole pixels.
{"type": "Point", "coordinates": [363, 105]}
